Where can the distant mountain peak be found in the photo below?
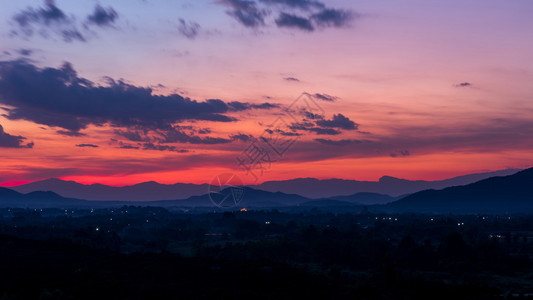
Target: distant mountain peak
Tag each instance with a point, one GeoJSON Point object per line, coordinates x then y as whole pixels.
{"type": "Point", "coordinates": [387, 178]}
{"type": "Point", "coordinates": [149, 183]}
{"type": "Point", "coordinates": [57, 181]}
{"type": "Point", "coordinates": [53, 180]}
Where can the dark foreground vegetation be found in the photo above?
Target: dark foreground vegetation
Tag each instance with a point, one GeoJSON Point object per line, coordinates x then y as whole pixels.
{"type": "Point", "coordinates": [154, 253]}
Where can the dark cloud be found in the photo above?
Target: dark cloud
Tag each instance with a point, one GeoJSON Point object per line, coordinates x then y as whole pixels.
{"type": "Point", "coordinates": [12, 141]}
{"type": "Point", "coordinates": [204, 131]}
{"type": "Point", "coordinates": [325, 97]}
{"type": "Point", "coordinates": [400, 153]}
{"type": "Point", "coordinates": [304, 15]}
{"type": "Point", "coordinates": [102, 16]}
{"type": "Point", "coordinates": [240, 106]}
{"type": "Point", "coordinates": [25, 52]}
{"type": "Point", "coordinates": [282, 132]}
{"type": "Point", "coordinates": [330, 17]}
{"type": "Point", "coordinates": [319, 125]}
{"type": "Point", "coordinates": [246, 12]}
{"type": "Point", "coordinates": [338, 121]}
{"type": "Point", "coordinates": [151, 146]}
{"type": "Point", "coordinates": [289, 133]}
{"type": "Point", "coordinates": [293, 21]}
{"type": "Point", "coordinates": [47, 15]}
{"type": "Point", "coordinates": [301, 4]}
{"type": "Point", "coordinates": [312, 116]}
{"type": "Point", "coordinates": [60, 98]}
{"type": "Point", "coordinates": [87, 145]}
{"type": "Point", "coordinates": [344, 142]}
{"type": "Point", "coordinates": [291, 79]}
{"type": "Point", "coordinates": [123, 145]}
{"type": "Point", "coordinates": [177, 135]}
{"type": "Point", "coordinates": [70, 133]}
{"type": "Point", "coordinates": [47, 18]}
{"type": "Point", "coordinates": [173, 134]}
{"type": "Point", "coordinates": [308, 126]}
{"type": "Point", "coordinates": [188, 29]}
{"type": "Point", "coordinates": [324, 131]}
{"type": "Point", "coordinates": [463, 84]}
{"type": "Point", "coordinates": [70, 35]}
{"type": "Point", "coordinates": [241, 137]}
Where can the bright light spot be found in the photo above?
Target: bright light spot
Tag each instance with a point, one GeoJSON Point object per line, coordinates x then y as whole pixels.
{"type": "Point", "coordinates": [244, 209]}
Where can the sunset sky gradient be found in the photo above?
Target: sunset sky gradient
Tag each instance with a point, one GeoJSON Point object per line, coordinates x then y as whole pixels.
{"type": "Point", "coordinates": [121, 92]}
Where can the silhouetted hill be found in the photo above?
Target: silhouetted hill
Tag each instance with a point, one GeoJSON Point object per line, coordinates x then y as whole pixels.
{"type": "Point", "coordinates": [252, 199]}
{"type": "Point", "coordinates": [306, 187]}
{"type": "Point", "coordinates": [512, 193]}
{"type": "Point", "coordinates": [327, 188]}
{"type": "Point", "coordinates": [10, 198]}
{"type": "Point", "coordinates": [145, 191]}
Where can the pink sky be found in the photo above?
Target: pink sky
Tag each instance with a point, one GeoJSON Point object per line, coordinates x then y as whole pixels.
{"type": "Point", "coordinates": [436, 89]}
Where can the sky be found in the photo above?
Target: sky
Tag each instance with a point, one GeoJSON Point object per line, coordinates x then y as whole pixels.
{"type": "Point", "coordinates": [122, 92]}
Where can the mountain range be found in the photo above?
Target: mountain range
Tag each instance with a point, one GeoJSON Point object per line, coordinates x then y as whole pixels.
{"type": "Point", "coordinates": [326, 188]}
{"type": "Point", "coordinates": [146, 191]}
{"type": "Point", "coordinates": [307, 187]}
{"type": "Point", "coordinates": [499, 194]}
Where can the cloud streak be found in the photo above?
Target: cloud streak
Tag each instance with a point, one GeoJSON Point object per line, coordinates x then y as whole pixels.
{"type": "Point", "coordinates": [87, 146]}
